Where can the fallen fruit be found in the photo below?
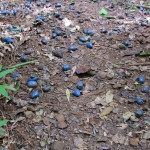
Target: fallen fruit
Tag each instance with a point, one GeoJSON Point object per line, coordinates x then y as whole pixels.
{"type": "Point", "coordinates": [82, 39]}
{"type": "Point", "coordinates": [145, 89]}
{"type": "Point", "coordinates": [141, 79]}
{"type": "Point", "coordinates": [28, 5]}
{"type": "Point", "coordinates": [139, 113]}
{"type": "Point", "coordinates": [8, 40]}
{"type": "Point", "coordinates": [58, 32]}
{"type": "Point", "coordinates": [24, 58]}
{"type": "Point", "coordinates": [57, 5]}
{"type": "Point", "coordinates": [127, 43]}
{"type": "Point", "coordinates": [34, 94]}
{"type": "Point", "coordinates": [88, 32]}
{"type": "Point", "coordinates": [44, 41]}
{"type": "Point", "coordinates": [80, 85]}
{"type": "Point", "coordinates": [54, 35]}
{"type": "Point", "coordinates": [104, 31]}
{"type": "Point", "coordinates": [89, 44]}
{"type": "Point", "coordinates": [46, 88]}
{"type": "Point", "coordinates": [76, 92]}
{"type": "Point", "coordinates": [3, 12]}
{"type": "Point", "coordinates": [32, 84]}
{"type": "Point", "coordinates": [139, 100]}
{"type": "Point", "coordinates": [33, 78]}
{"type": "Point", "coordinates": [72, 48]}
{"type": "Point", "coordinates": [66, 67]}
{"type": "Point", "coordinates": [143, 24]}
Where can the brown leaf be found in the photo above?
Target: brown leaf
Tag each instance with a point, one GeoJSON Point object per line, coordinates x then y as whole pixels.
{"type": "Point", "coordinates": [106, 111]}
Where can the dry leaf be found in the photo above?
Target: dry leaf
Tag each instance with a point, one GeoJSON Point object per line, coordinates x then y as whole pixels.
{"type": "Point", "coordinates": [68, 95]}
{"type": "Point", "coordinates": [106, 111]}
{"type": "Point", "coordinates": [109, 97]}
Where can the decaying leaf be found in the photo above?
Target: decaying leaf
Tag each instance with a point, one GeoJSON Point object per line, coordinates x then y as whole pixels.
{"type": "Point", "coordinates": [68, 95]}
{"type": "Point", "coordinates": [106, 111]}
{"type": "Point", "coordinates": [109, 97]}
{"type": "Point", "coordinates": [128, 115]}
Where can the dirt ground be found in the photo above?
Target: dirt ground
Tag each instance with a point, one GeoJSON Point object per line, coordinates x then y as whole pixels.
{"type": "Point", "coordinates": [103, 117]}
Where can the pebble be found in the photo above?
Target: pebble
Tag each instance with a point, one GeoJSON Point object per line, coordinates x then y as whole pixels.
{"type": "Point", "coordinates": [29, 114]}
{"type": "Point", "coordinates": [62, 125]}
{"type": "Point", "coordinates": [102, 74]}
{"type": "Point", "coordinates": [58, 145]}
{"type": "Point", "coordinates": [46, 121]}
{"type": "Point", "coordinates": [60, 118]}
{"type": "Point", "coordinates": [134, 141]}
{"type": "Point", "coordinates": [110, 76]}
{"type": "Point", "coordinates": [24, 58]}
{"type": "Point", "coordinates": [58, 53]}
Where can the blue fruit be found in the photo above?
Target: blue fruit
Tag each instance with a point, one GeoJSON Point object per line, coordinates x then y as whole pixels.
{"type": "Point", "coordinates": [80, 85]}
{"type": "Point", "coordinates": [57, 15]}
{"type": "Point", "coordinates": [34, 94]}
{"type": "Point", "coordinates": [13, 28]}
{"type": "Point", "coordinates": [44, 41]}
{"type": "Point", "coordinates": [4, 4]}
{"type": "Point", "coordinates": [139, 100]}
{"type": "Point", "coordinates": [80, 43]}
{"type": "Point", "coordinates": [32, 84]}
{"type": "Point", "coordinates": [76, 92]}
{"type": "Point", "coordinates": [71, 6]}
{"type": "Point", "coordinates": [3, 12]}
{"type": "Point", "coordinates": [26, 12]}
{"type": "Point", "coordinates": [127, 43]}
{"type": "Point", "coordinates": [72, 48]}
{"type": "Point", "coordinates": [16, 75]}
{"type": "Point", "coordinates": [58, 32]}
{"type": "Point", "coordinates": [46, 88]}
{"type": "Point", "coordinates": [10, 13]}
{"type": "Point", "coordinates": [145, 89]}
{"type": "Point", "coordinates": [54, 35]}
{"type": "Point", "coordinates": [24, 58]}
{"type": "Point", "coordinates": [33, 78]}
{"type": "Point", "coordinates": [15, 10]}
{"type": "Point", "coordinates": [39, 19]}
{"type": "Point", "coordinates": [104, 31]}
{"type": "Point", "coordinates": [141, 8]}
{"type": "Point", "coordinates": [89, 44]}
{"type": "Point", "coordinates": [83, 39]}
{"type": "Point", "coordinates": [8, 40]}
{"type": "Point", "coordinates": [79, 11]}
{"type": "Point", "coordinates": [88, 32]}
{"type": "Point", "coordinates": [141, 79]}
{"type": "Point", "coordinates": [139, 113]}
{"type": "Point", "coordinates": [57, 5]}
{"type": "Point", "coordinates": [28, 5]}
{"type": "Point", "coordinates": [66, 67]}
{"type": "Point", "coordinates": [143, 24]}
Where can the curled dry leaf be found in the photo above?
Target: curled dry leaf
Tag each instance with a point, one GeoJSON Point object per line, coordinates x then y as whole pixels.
{"type": "Point", "coordinates": [109, 97]}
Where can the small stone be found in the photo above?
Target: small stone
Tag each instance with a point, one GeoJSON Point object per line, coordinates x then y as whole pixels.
{"type": "Point", "coordinates": [42, 143]}
{"type": "Point", "coordinates": [62, 125]}
{"type": "Point", "coordinates": [102, 74]}
{"type": "Point", "coordinates": [110, 76]}
{"type": "Point", "coordinates": [146, 135]}
{"type": "Point", "coordinates": [46, 121]}
{"type": "Point", "coordinates": [122, 46]}
{"type": "Point", "coordinates": [57, 145]}
{"type": "Point", "coordinates": [58, 53]}
{"type": "Point", "coordinates": [60, 118]}
{"type": "Point", "coordinates": [29, 114]}
{"type": "Point", "coordinates": [134, 141]}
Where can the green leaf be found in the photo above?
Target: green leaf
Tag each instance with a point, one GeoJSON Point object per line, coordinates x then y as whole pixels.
{"type": "Point", "coordinates": [1, 67]}
{"type": "Point", "coordinates": [4, 73]}
{"type": "Point", "coordinates": [10, 87]}
{"type": "Point", "coordinates": [2, 132]}
{"type": "Point", "coordinates": [144, 54]}
{"type": "Point", "coordinates": [103, 12]}
{"type": "Point", "coordinates": [3, 91]}
{"type": "Point", "coordinates": [73, 1]}
{"type": "Point", "coordinates": [3, 122]}
{"type": "Point", "coordinates": [22, 64]}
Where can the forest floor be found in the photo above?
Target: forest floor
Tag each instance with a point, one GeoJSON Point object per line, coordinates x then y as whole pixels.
{"type": "Point", "coordinates": [112, 112]}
